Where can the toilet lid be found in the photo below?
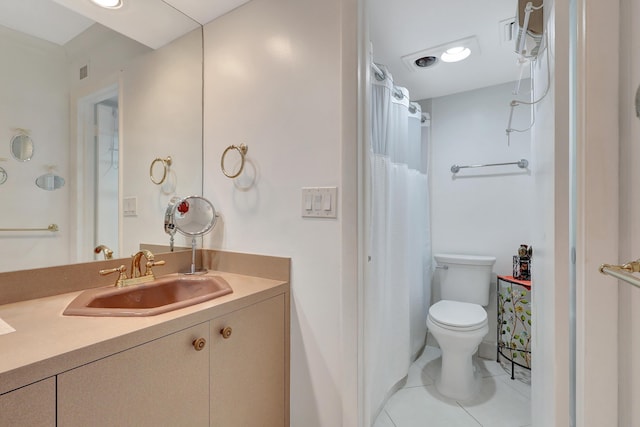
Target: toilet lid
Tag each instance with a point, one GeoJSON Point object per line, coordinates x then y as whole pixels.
{"type": "Point", "coordinates": [457, 314]}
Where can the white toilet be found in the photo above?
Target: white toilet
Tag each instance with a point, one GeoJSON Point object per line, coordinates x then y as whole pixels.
{"type": "Point", "coordinates": [459, 322]}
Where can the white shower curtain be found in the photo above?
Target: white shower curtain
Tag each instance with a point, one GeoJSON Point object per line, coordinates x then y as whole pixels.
{"type": "Point", "coordinates": [397, 288]}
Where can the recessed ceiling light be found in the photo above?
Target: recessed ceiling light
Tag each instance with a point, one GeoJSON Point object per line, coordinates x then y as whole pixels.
{"type": "Point", "coordinates": [108, 4]}
{"type": "Point", "coordinates": [455, 54]}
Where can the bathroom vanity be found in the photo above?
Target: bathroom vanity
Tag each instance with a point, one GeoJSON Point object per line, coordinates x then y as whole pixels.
{"type": "Point", "coordinates": [223, 362]}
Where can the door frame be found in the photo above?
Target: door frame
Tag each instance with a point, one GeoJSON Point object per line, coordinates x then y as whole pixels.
{"type": "Point", "coordinates": [628, 296]}
{"type": "Point", "coordinates": [597, 218]}
{"type": "Point", "coordinates": [595, 214]}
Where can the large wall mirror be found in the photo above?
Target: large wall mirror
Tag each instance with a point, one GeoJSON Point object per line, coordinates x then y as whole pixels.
{"type": "Point", "coordinates": [99, 106]}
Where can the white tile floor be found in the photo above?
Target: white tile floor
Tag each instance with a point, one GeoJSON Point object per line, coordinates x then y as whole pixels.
{"type": "Point", "coordinates": [502, 402]}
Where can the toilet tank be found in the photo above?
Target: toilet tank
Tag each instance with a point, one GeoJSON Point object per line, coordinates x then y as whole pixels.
{"type": "Point", "coordinates": [465, 278]}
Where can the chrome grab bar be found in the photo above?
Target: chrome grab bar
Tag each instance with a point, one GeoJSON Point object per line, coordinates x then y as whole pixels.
{"type": "Point", "coordinates": [51, 227]}
{"type": "Point", "coordinates": [623, 272]}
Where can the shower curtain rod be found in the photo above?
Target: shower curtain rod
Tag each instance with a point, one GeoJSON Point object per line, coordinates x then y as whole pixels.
{"type": "Point", "coordinates": [380, 75]}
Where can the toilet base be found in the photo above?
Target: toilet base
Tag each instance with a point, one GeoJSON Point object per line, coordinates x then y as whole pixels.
{"type": "Point", "coordinates": [457, 379]}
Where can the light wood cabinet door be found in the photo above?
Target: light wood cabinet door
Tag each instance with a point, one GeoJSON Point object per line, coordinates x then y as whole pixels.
{"type": "Point", "coordinates": [161, 383]}
{"type": "Point", "coordinates": [248, 366]}
{"type": "Point", "coordinates": [30, 406]}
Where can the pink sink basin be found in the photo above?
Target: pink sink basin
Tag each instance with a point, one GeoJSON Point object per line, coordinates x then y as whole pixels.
{"type": "Point", "coordinates": [162, 295]}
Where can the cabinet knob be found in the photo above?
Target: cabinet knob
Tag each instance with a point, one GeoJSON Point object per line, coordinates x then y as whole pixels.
{"type": "Point", "coordinates": [199, 344]}
{"type": "Point", "coordinates": [226, 332]}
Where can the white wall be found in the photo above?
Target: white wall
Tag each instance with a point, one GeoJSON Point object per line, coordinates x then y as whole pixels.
{"type": "Point", "coordinates": [273, 81]}
{"type": "Point", "coordinates": [33, 96]}
{"type": "Point", "coordinates": [484, 211]}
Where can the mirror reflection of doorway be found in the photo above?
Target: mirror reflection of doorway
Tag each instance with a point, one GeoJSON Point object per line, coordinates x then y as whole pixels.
{"type": "Point", "coordinates": [98, 174]}
{"type": "Point", "coordinates": [105, 180]}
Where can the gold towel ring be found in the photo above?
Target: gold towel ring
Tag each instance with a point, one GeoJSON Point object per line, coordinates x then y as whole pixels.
{"type": "Point", "coordinates": [242, 149]}
{"type": "Point", "coordinates": [165, 167]}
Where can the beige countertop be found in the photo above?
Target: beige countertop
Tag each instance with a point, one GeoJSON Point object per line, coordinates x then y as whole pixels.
{"type": "Point", "coordinates": [47, 343]}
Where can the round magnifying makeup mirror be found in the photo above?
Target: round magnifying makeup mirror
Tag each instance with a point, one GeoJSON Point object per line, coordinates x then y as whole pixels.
{"type": "Point", "coordinates": [22, 147]}
{"type": "Point", "coordinates": [192, 216]}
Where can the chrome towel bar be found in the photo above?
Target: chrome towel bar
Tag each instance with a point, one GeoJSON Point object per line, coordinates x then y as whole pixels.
{"type": "Point", "coordinates": [522, 164]}
{"type": "Point", "coordinates": [623, 272]}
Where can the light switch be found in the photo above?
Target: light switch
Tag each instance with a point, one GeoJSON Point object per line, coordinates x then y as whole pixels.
{"type": "Point", "coordinates": [319, 202]}
{"type": "Point", "coordinates": [130, 206]}
{"type": "Point", "coordinates": [326, 202]}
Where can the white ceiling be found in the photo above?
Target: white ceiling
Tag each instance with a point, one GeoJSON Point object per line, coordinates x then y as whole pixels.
{"type": "Point", "coordinates": [153, 23]}
{"type": "Point", "coordinates": [397, 28]}
{"type": "Point", "coordinates": [403, 27]}
{"type": "Point", "coordinates": [43, 19]}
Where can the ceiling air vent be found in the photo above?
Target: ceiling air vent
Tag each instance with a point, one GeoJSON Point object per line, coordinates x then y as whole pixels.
{"type": "Point", "coordinates": [426, 61]}
{"type": "Point", "coordinates": [507, 30]}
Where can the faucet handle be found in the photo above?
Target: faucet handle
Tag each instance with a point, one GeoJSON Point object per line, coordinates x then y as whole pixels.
{"type": "Point", "coordinates": [150, 264]}
{"type": "Point", "coordinates": [121, 277]}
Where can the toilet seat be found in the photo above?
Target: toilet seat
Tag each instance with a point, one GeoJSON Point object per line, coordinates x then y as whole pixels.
{"type": "Point", "coordinates": [458, 316]}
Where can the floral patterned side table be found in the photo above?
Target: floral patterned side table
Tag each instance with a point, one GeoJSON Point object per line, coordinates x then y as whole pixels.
{"type": "Point", "coordinates": [514, 326]}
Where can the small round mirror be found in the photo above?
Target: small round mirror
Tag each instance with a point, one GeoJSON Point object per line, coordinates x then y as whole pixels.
{"type": "Point", "coordinates": [22, 147]}
{"type": "Point", "coordinates": [194, 216]}
{"type": "Point", "coordinates": [50, 182]}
